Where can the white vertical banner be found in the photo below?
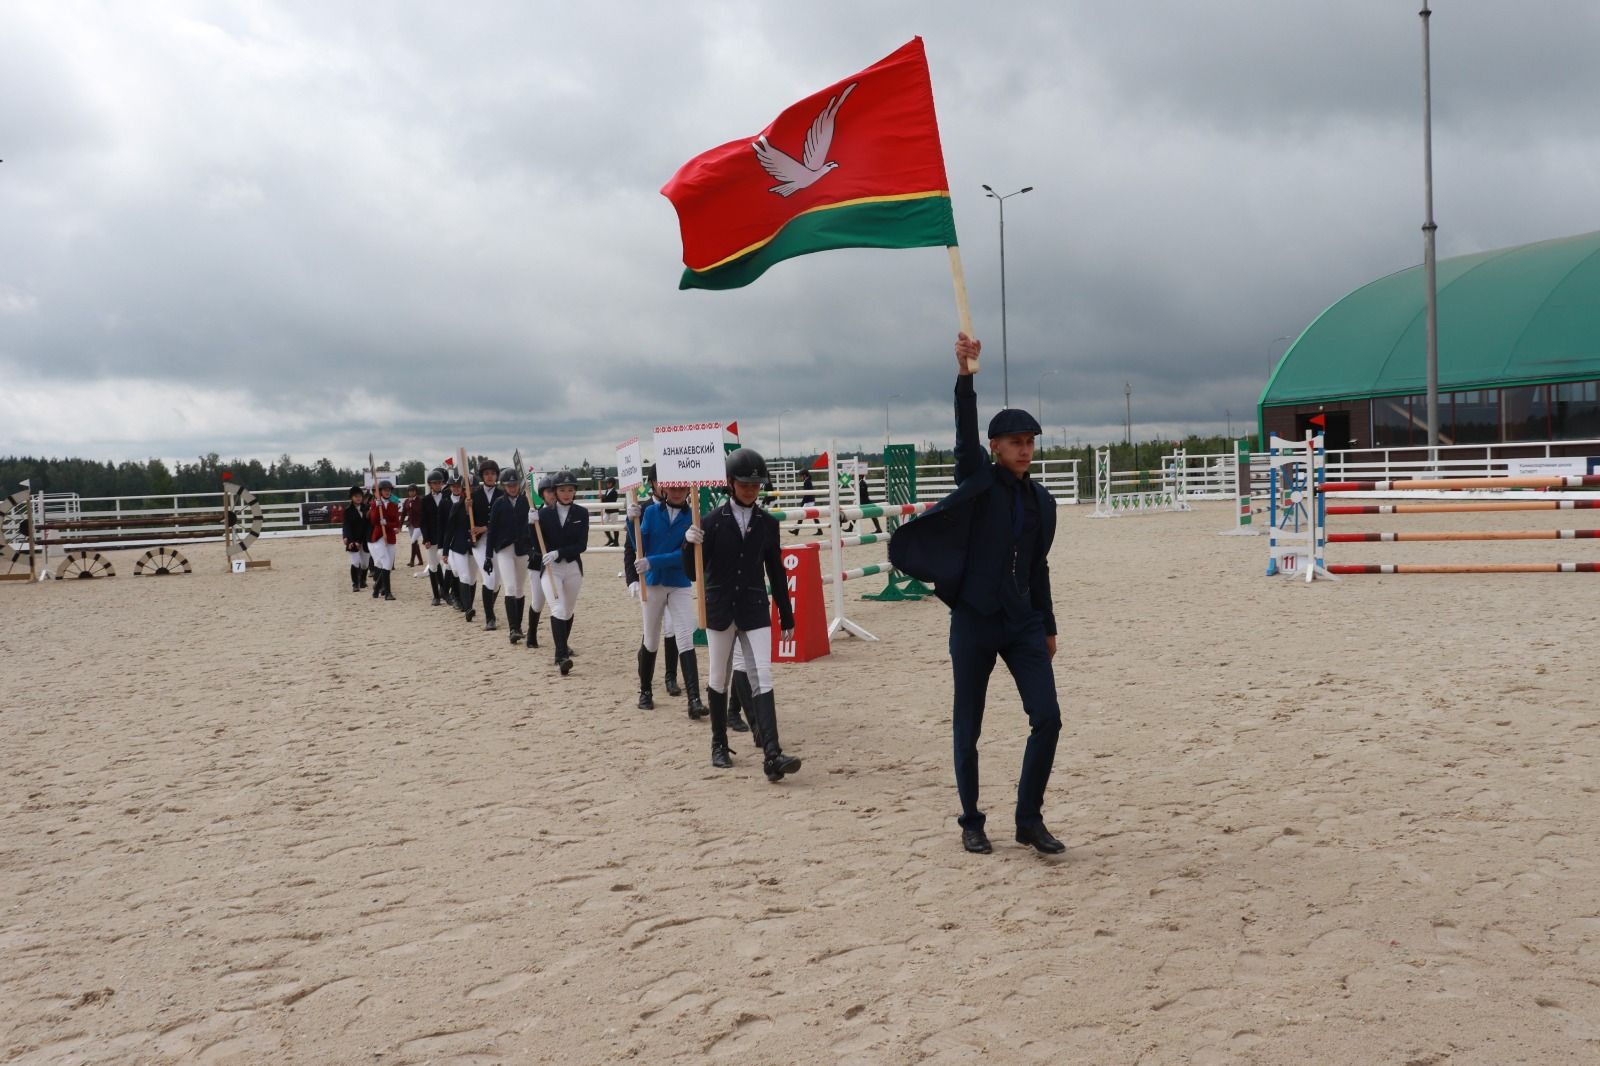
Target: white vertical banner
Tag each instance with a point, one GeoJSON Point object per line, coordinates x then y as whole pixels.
{"type": "Point", "coordinates": [690, 455]}
{"type": "Point", "coordinates": [630, 468]}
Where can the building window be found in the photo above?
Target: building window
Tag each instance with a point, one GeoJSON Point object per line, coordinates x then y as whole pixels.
{"type": "Point", "coordinates": [1476, 417]}
{"type": "Point", "coordinates": [1575, 410]}
{"type": "Point", "coordinates": [1395, 421]}
{"type": "Point", "coordinates": [1526, 412]}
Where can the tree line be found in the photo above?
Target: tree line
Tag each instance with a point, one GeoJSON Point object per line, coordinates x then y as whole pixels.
{"type": "Point", "coordinates": [153, 477]}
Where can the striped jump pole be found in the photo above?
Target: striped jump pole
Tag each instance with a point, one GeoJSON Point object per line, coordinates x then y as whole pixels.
{"type": "Point", "coordinates": [858, 573]}
{"type": "Point", "coordinates": [863, 538]}
{"type": "Point", "coordinates": [1467, 568]}
{"type": "Point", "coordinates": [853, 514]}
{"type": "Point", "coordinates": [1513, 534]}
{"type": "Point", "coordinates": [1450, 484]}
{"type": "Point", "coordinates": [1451, 508]}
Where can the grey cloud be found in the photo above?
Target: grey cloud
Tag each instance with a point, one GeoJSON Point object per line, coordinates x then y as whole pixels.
{"type": "Point", "coordinates": [457, 208]}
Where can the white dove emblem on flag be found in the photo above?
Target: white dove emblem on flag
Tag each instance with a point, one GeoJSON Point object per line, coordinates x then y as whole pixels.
{"type": "Point", "coordinates": [813, 165]}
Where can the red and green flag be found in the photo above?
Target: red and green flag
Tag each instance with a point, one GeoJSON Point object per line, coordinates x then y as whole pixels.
{"type": "Point", "coordinates": [857, 165]}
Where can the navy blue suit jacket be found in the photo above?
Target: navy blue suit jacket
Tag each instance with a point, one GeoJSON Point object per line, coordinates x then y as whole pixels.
{"type": "Point", "coordinates": [942, 545]}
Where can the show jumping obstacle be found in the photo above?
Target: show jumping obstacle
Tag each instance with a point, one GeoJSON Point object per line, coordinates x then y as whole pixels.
{"type": "Point", "coordinates": [1128, 492]}
{"type": "Point", "coordinates": [85, 539]}
{"type": "Point", "coordinates": [1297, 529]}
{"type": "Point", "coordinates": [1312, 490]}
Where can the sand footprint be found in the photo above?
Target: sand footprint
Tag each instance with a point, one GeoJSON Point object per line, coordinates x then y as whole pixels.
{"type": "Point", "coordinates": [502, 986]}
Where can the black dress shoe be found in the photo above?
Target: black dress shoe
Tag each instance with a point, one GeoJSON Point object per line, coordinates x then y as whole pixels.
{"type": "Point", "coordinates": [1039, 837]}
{"type": "Point", "coordinates": [976, 841]}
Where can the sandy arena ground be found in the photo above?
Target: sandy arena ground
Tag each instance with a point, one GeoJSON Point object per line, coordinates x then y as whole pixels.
{"type": "Point", "coordinates": [259, 819]}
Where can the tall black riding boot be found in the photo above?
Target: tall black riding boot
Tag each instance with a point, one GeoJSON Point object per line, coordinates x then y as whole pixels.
{"type": "Point", "coordinates": [691, 683]}
{"type": "Point", "coordinates": [388, 586]}
{"type": "Point", "coordinates": [377, 582]}
{"type": "Point", "coordinates": [355, 579]}
{"type": "Point", "coordinates": [558, 636]}
{"type": "Point", "coordinates": [514, 617]}
{"type": "Point", "coordinates": [489, 596]}
{"type": "Point", "coordinates": [720, 756]}
{"type": "Point", "coordinates": [436, 583]}
{"type": "Point", "coordinates": [743, 695]}
{"type": "Point", "coordinates": [447, 579]}
{"type": "Point", "coordinates": [776, 763]}
{"type": "Point", "coordinates": [567, 645]}
{"type": "Point", "coordinates": [466, 593]}
{"type": "Point", "coordinates": [672, 654]}
{"type": "Point", "coordinates": [647, 673]}
{"type": "Point", "coordinates": [533, 629]}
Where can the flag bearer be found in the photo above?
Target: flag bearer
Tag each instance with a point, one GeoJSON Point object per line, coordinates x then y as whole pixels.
{"type": "Point", "coordinates": [383, 531]}
{"type": "Point", "coordinates": [986, 548]}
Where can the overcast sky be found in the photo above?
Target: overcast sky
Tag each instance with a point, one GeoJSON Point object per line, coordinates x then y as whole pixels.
{"type": "Point", "coordinates": [327, 228]}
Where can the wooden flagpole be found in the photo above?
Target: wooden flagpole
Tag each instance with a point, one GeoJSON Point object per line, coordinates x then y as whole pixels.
{"type": "Point", "coordinates": [372, 470]}
{"type": "Point", "coordinates": [638, 540]}
{"type": "Point", "coordinates": [538, 531]}
{"type": "Point", "coordinates": [963, 312]}
{"type": "Point", "coordinates": [699, 558]}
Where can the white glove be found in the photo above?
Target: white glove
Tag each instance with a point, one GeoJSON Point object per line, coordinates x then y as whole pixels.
{"type": "Point", "coordinates": [786, 635]}
{"type": "Point", "coordinates": [695, 535]}
{"type": "Point", "coordinates": [633, 591]}
{"type": "Point", "coordinates": [633, 509]}
{"type": "Point", "coordinates": [550, 558]}
{"type": "Point", "coordinates": [641, 566]}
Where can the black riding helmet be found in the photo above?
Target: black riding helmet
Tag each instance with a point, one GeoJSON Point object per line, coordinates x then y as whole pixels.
{"type": "Point", "coordinates": [436, 474]}
{"type": "Point", "coordinates": [745, 465]}
{"type": "Point", "coordinates": [566, 477]}
{"type": "Point", "coordinates": [510, 478]}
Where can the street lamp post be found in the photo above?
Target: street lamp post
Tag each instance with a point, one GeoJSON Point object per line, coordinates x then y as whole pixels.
{"type": "Point", "coordinates": [1005, 377]}
{"type": "Point", "coordinates": [1428, 260]}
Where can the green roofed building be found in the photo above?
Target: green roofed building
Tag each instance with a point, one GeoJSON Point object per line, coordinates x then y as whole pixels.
{"type": "Point", "coordinates": [1519, 354]}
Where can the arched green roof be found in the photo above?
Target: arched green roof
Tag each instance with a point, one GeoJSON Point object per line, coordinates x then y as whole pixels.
{"type": "Point", "coordinates": [1513, 316]}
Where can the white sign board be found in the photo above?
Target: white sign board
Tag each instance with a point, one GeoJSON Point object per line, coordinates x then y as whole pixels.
{"type": "Point", "coordinates": [1547, 467]}
{"type": "Point", "coordinates": [630, 468]}
{"type": "Point", "coordinates": [690, 455]}
{"type": "Point", "coordinates": [239, 566]}
{"type": "Point", "coordinates": [383, 475]}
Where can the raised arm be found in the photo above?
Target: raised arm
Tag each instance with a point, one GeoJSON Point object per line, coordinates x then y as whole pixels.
{"type": "Point", "coordinates": [970, 454]}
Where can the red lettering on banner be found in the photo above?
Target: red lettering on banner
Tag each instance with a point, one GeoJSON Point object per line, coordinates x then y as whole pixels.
{"type": "Point", "coordinates": [804, 579]}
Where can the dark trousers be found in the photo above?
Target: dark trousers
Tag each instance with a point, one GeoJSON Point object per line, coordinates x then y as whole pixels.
{"type": "Point", "coordinates": [975, 641]}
